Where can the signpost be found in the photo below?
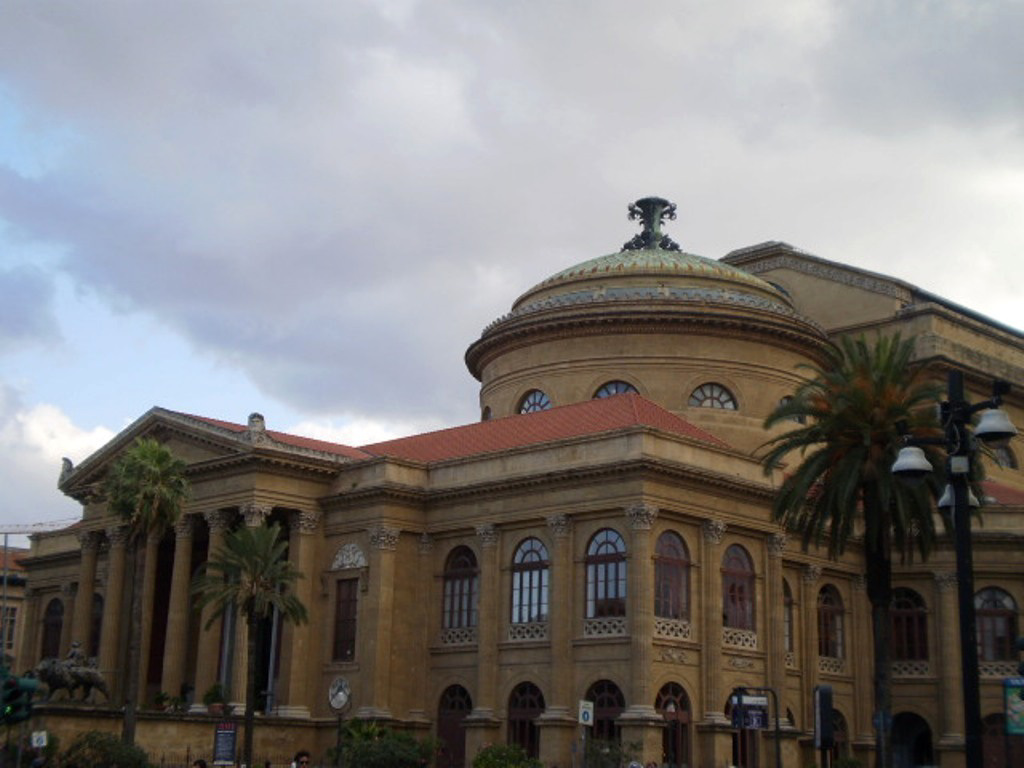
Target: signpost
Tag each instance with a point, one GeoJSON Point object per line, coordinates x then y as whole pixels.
{"type": "Point", "coordinates": [586, 718]}
{"type": "Point", "coordinates": [750, 712]}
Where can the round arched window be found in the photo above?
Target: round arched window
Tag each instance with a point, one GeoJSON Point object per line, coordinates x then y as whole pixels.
{"type": "Point", "coordinates": [712, 395]}
{"type": "Point", "coordinates": [533, 401]}
{"type": "Point", "coordinates": [616, 387]}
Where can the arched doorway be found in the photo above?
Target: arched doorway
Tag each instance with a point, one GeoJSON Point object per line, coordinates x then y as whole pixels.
{"type": "Point", "coordinates": [911, 741]}
{"type": "Point", "coordinates": [455, 704]}
{"type": "Point", "coordinates": [744, 744]}
{"type": "Point", "coordinates": [609, 703]}
{"type": "Point", "coordinates": [674, 706]}
{"type": "Point", "coordinates": [525, 705]}
{"type": "Point", "coordinates": [53, 625]}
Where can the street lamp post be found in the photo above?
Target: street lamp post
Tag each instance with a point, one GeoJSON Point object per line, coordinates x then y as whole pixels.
{"type": "Point", "coordinates": [994, 428]}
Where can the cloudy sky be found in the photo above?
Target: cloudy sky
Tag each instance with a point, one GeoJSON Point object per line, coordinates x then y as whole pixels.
{"type": "Point", "coordinates": [310, 209]}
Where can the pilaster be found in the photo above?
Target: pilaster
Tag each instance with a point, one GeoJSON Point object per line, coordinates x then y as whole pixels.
{"type": "Point", "coordinates": [482, 717]}
{"type": "Point", "coordinates": [255, 515]}
{"type": "Point", "coordinates": [211, 629]}
{"type": "Point", "coordinates": [775, 544]}
{"type": "Point", "coordinates": [113, 602]}
{"type": "Point", "coordinates": [711, 587]}
{"type": "Point", "coordinates": [81, 622]}
{"type": "Point", "coordinates": [176, 645]}
{"type": "Point", "coordinates": [296, 640]}
{"type": "Point", "coordinates": [809, 602]}
{"type": "Point", "coordinates": [381, 614]}
{"type": "Point", "coordinates": [561, 703]}
{"type": "Point", "coordinates": [947, 625]}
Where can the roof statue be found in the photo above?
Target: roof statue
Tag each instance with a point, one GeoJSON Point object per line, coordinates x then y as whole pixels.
{"type": "Point", "coordinates": [652, 211]}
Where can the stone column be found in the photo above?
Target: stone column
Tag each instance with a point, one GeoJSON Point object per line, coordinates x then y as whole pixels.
{"type": "Point", "coordinates": [776, 605]}
{"type": "Point", "coordinates": [176, 645]}
{"type": "Point", "coordinates": [295, 694]}
{"type": "Point", "coordinates": [809, 651]}
{"type": "Point", "coordinates": [28, 651]}
{"type": "Point", "coordinates": [558, 723]}
{"type": "Point", "coordinates": [947, 635]}
{"type": "Point", "coordinates": [148, 591]}
{"type": "Point", "coordinates": [81, 622]}
{"type": "Point", "coordinates": [711, 589]}
{"type": "Point", "coordinates": [113, 602]}
{"type": "Point", "coordinates": [255, 515]}
{"type": "Point", "coordinates": [421, 623]}
{"type": "Point", "coordinates": [381, 615]}
{"type": "Point", "coordinates": [208, 655]}
{"type": "Point", "coordinates": [863, 663]}
{"type": "Point", "coordinates": [641, 721]}
{"type": "Point", "coordinates": [481, 724]}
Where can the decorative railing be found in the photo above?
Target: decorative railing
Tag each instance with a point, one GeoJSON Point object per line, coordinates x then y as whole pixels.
{"type": "Point", "coordinates": [458, 636]}
{"type": "Point", "coordinates": [997, 668]}
{"type": "Point", "coordinates": [916, 668]}
{"type": "Point", "coordinates": [677, 629]}
{"type": "Point", "coordinates": [832, 665]}
{"type": "Point", "coordinates": [739, 638]}
{"type": "Point", "coordinates": [606, 627]}
{"type": "Point", "coordinates": [534, 630]}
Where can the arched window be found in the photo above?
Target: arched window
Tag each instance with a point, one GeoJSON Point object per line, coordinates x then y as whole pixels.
{"type": "Point", "coordinates": [674, 705]}
{"type": "Point", "coordinates": [909, 626]}
{"type": "Point", "coordinates": [95, 625]}
{"type": "Point", "coordinates": [530, 572]}
{"type": "Point", "coordinates": [53, 624]}
{"type": "Point", "coordinates": [453, 708]}
{"type": "Point", "coordinates": [606, 575]}
{"type": "Point", "coordinates": [738, 588]}
{"type": "Point", "coordinates": [787, 617]}
{"type": "Point", "coordinates": [461, 579]}
{"type": "Point", "coordinates": [671, 577]}
{"type": "Point", "coordinates": [617, 387]}
{"type": "Point", "coordinates": [525, 705]}
{"type": "Point", "coordinates": [996, 614]}
{"type": "Point", "coordinates": [830, 623]}
{"type": "Point", "coordinates": [534, 400]}
{"type": "Point", "coordinates": [609, 703]}
{"type": "Point", "coordinates": [712, 395]}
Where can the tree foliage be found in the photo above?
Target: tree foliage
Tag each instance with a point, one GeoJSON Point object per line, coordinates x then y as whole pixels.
{"type": "Point", "coordinates": [147, 488]}
{"type": "Point", "coordinates": [843, 489]}
{"type": "Point", "coordinates": [93, 749]}
{"type": "Point", "coordinates": [251, 573]}
{"type": "Point", "coordinates": [504, 756]}
{"type": "Point", "coordinates": [370, 745]}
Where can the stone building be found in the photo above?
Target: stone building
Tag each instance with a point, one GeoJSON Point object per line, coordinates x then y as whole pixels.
{"type": "Point", "coordinates": [603, 533]}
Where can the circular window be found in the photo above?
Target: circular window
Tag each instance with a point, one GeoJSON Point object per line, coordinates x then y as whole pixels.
{"type": "Point", "coordinates": [615, 388]}
{"type": "Point", "coordinates": [534, 400]}
{"type": "Point", "coordinates": [712, 395]}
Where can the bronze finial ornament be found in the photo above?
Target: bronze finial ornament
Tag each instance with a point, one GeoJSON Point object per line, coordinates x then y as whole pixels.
{"type": "Point", "coordinates": [652, 211]}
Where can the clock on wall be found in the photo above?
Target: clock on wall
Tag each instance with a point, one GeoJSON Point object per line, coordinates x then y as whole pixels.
{"type": "Point", "coordinates": [339, 694]}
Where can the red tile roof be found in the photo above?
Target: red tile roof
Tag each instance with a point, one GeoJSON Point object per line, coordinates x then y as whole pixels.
{"type": "Point", "coordinates": [1003, 494]}
{"type": "Point", "coordinates": [294, 440]}
{"type": "Point", "coordinates": [13, 557]}
{"type": "Point", "coordinates": [588, 418]}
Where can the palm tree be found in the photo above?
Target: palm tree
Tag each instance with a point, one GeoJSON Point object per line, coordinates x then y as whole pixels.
{"type": "Point", "coordinates": [147, 487]}
{"type": "Point", "coordinates": [843, 487]}
{"type": "Point", "coordinates": [251, 574]}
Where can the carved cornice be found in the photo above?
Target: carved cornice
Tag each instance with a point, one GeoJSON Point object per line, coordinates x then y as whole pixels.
{"type": "Point", "coordinates": [817, 267]}
{"type": "Point", "coordinates": [945, 580]}
{"type": "Point", "coordinates": [307, 521]}
{"type": "Point", "coordinates": [777, 543]}
{"type": "Point", "coordinates": [89, 541]}
{"type": "Point", "coordinates": [714, 531]}
{"type": "Point", "coordinates": [384, 537]}
{"type": "Point", "coordinates": [184, 527]}
{"type": "Point", "coordinates": [219, 520]}
{"type": "Point", "coordinates": [641, 515]}
{"type": "Point", "coordinates": [811, 573]}
{"type": "Point", "coordinates": [117, 535]}
{"type": "Point", "coordinates": [488, 534]}
{"type": "Point", "coordinates": [426, 544]}
{"type": "Point", "coordinates": [255, 513]}
{"type": "Point", "coordinates": [560, 526]}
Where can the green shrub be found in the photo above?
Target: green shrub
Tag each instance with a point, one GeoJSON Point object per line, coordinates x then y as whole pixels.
{"type": "Point", "coordinates": [504, 756]}
{"type": "Point", "coordinates": [102, 750]}
{"type": "Point", "coordinates": [369, 745]}
{"type": "Point", "coordinates": [610, 754]}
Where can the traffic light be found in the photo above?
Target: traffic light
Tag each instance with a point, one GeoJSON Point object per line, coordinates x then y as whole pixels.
{"type": "Point", "coordinates": [17, 698]}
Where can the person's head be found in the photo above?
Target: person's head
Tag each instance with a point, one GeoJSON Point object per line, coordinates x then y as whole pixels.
{"type": "Point", "coordinates": [301, 758]}
{"type": "Point", "coordinates": [199, 763]}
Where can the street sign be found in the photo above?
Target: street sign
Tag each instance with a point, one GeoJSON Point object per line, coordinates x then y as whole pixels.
{"type": "Point", "coordinates": [753, 701]}
{"type": "Point", "coordinates": [586, 712]}
{"type": "Point", "coordinates": [1014, 703]}
{"type": "Point", "coordinates": [38, 739]}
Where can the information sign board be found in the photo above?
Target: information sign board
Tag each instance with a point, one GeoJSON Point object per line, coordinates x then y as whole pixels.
{"type": "Point", "coordinates": [1014, 690]}
{"type": "Point", "coordinates": [586, 712]}
{"type": "Point", "coordinates": [225, 740]}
